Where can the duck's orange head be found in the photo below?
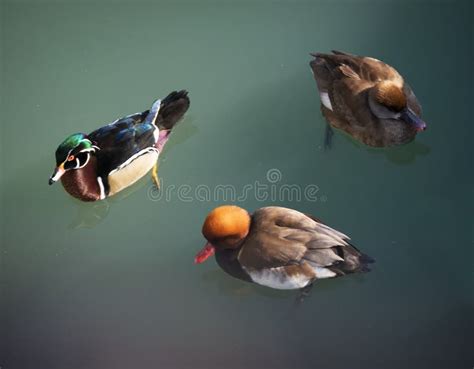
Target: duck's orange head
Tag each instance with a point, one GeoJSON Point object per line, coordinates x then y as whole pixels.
{"type": "Point", "coordinates": [388, 100]}
{"type": "Point", "coordinates": [224, 228]}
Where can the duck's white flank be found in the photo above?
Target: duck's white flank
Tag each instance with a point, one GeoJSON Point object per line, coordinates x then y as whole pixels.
{"type": "Point", "coordinates": [132, 170]}
{"type": "Point", "coordinates": [132, 158]}
{"type": "Point", "coordinates": [322, 273]}
{"type": "Point", "coordinates": [278, 278]}
{"type": "Point", "coordinates": [324, 96]}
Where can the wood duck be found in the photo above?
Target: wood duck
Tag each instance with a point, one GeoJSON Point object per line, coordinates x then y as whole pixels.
{"type": "Point", "coordinates": [278, 247]}
{"type": "Point", "coordinates": [367, 99]}
{"type": "Point", "coordinates": [94, 166]}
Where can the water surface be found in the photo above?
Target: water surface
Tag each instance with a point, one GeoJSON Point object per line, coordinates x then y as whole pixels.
{"type": "Point", "coordinates": [112, 284]}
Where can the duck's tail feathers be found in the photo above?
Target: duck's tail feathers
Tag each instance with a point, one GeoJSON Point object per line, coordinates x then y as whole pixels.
{"type": "Point", "coordinates": [321, 68]}
{"type": "Point", "coordinates": [172, 109]}
{"type": "Point", "coordinates": [354, 261]}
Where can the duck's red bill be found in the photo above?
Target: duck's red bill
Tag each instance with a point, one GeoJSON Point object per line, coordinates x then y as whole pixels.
{"type": "Point", "coordinates": [204, 254]}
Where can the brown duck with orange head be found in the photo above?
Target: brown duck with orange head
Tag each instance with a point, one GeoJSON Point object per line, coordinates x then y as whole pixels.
{"type": "Point", "coordinates": [367, 99]}
{"type": "Point", "coordinates": [278, 247]}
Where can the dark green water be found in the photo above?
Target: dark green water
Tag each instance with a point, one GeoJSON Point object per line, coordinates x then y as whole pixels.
{"type": "Point", "coordinates": [113, 285]}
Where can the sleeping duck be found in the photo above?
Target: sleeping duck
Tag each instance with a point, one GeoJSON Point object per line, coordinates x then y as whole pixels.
{"type": "Point", "coordinates": [367, 99]}
{"type": "Point", "coordinates": [278, 247]}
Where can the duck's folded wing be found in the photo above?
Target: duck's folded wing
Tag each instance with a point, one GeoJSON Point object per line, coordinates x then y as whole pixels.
{"type": "Point", "coordinates": [349, 100]}
{"type": "Point", "coordinates": [346, 80]}
{"type": "Point", "coordinates": [283, 237]}
{"type": "Point", "coordinates": [366, 68]}
{"type": "Point", "coordinates": [266, 250]}
{"type": "Point", "coordinates": [121, 140]}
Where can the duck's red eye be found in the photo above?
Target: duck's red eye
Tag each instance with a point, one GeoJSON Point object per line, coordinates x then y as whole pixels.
{"type": "Point", "coordinates": [70, 158]}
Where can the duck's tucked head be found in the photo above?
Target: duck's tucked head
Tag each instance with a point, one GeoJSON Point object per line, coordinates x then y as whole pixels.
{"type": "Point", "coordinates": [224, 228]}
{"type": "Point", "coordinates": [387, 100]}
{"type": "Point", "coordinates": [73, 153]}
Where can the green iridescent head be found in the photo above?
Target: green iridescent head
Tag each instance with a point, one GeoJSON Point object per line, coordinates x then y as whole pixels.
{"type": "Point", "coordinates": [71, 145]}
{"type": "Point", "coordinates": [73, 153]}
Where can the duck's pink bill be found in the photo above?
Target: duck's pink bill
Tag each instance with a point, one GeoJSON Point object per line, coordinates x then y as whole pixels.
{"type": "Point", "coordinates": [204, 254]}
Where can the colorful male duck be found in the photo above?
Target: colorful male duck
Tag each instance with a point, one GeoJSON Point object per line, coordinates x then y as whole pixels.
{"type": "Point", "coordinates": [94, 166]}
{"type": "Point", "coordinates": [278, 247]}
{"type": "Point", "coordinates": [367, 99]}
